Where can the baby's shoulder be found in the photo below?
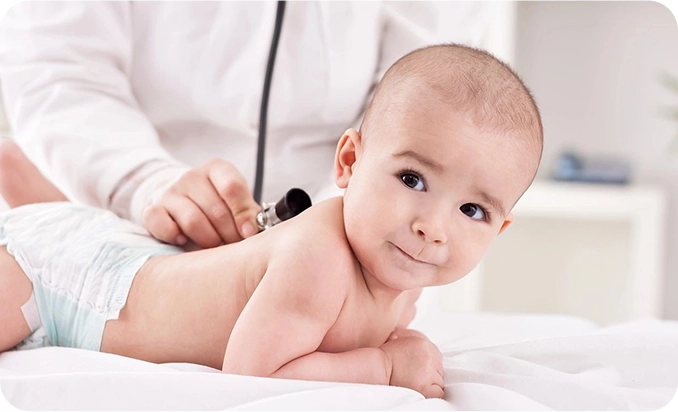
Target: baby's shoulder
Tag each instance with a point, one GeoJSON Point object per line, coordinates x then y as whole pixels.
{"type": "Point", "coordinates": [317, 236]}
{"type": "Point", "coordinates": [323, 221]}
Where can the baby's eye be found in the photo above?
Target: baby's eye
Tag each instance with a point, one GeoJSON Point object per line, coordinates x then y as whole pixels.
{"type": "Point", "coordinates": [412, 181]}
{"type": "Point", "coordinates": [473, 211]}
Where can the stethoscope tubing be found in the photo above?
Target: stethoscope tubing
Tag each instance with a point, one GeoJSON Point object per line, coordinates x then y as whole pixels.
{"type": "Point", "coordinates": [263, 113]}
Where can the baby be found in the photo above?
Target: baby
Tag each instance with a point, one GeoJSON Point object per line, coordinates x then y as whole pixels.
{"type": "Point", "coordinates": [450, 141]}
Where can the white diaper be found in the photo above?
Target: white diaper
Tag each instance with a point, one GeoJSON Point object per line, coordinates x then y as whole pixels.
{"type": "Point", "coordinates": [81, 261]}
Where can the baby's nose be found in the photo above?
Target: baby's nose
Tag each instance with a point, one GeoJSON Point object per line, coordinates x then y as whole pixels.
{"type": "Point", "coordinates": [430, 231]}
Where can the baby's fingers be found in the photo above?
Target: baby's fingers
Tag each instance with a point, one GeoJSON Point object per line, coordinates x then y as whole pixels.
{"type": "Point", "coordinates": [403, 332]}
{"type": "Point", "coordinates": [434, 391]}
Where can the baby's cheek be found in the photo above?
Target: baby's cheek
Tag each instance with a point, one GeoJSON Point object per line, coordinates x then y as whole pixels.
{"type": "Point", "coordinates": [473, 246]}
{"type": "Point", "coordinates": [462, 261]}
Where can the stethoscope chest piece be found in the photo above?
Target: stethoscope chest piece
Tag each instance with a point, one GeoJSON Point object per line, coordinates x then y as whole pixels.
{"type": "Point", "coordinates": [294, 202]}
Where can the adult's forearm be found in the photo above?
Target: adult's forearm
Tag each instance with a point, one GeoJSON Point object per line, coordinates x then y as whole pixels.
{"type": "Point", "coordinates": [84, 156]}
{"type": "Point", "coordinates": [69, 104]}
{"type": "Point", "coordinates": [364, 365]}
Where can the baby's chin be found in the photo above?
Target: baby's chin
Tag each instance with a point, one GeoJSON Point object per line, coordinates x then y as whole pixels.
{"type": "Point", "coordinates": [400, 278]}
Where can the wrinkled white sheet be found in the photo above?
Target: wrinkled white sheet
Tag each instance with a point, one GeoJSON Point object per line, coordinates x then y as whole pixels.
{"type": "Point", "coordinates": [492, 362]}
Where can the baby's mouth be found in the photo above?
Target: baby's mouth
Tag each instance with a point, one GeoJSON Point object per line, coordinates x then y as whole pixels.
{"type": "Point", "coordinates": [410, 256]}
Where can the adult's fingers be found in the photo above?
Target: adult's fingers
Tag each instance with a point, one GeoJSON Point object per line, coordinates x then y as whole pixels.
{"type": "Point", "coordinates": [161, 226]}
{"type": "Point", "coordinates": [205, 196]}
{"type": "Point", "coordinates": [192, 221]}
{"type": "Point", "coordinates": [232, 188]}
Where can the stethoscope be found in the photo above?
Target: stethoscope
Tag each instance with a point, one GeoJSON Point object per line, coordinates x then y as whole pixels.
{"type": "Point", "coordinates": [295, 200]}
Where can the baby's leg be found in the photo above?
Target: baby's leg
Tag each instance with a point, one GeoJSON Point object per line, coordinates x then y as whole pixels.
{"type": "Point", "coordinates": [15, 290]}
{"type": "Point", "coordinates": [21, 182]}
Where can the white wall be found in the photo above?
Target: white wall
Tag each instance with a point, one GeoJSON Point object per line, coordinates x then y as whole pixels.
{"type": "Point", "coordinates": [593, 68]}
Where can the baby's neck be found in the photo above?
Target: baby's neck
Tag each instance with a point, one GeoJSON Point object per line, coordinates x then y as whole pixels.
{"type": "Point", "coordinates": [380, 292]}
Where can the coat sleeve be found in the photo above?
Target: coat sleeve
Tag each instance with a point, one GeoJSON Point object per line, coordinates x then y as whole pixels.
{"type": "Point", "coordinates": [64, 75]}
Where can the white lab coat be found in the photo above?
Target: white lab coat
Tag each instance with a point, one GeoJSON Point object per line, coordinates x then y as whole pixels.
{"type": "Point", "coordinates": [105, 95]}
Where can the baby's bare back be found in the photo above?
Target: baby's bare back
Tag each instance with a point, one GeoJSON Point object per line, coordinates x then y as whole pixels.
{"type": "Point", "coordinates": [183, 308]}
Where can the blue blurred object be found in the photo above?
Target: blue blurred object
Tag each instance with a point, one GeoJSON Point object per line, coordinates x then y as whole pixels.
{"type": "Point", "coordinates": [570, 167]}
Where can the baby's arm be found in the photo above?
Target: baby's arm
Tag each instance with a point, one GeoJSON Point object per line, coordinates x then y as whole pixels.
{"type": "Point", "coordinates": [286, 319]}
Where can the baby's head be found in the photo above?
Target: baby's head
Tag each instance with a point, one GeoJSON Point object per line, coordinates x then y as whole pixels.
{"type": "Point", "coordinates": [450, 141]}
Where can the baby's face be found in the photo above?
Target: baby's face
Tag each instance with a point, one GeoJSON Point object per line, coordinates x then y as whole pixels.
{"type": "Point", "coordinates": [427, 194]}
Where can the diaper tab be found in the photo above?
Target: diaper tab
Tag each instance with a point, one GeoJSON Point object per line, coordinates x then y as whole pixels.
{"type": "Point", "coordinates": [31, 314]}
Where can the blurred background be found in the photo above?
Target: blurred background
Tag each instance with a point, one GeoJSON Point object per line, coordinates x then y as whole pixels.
{"type": "Point", "coordinates": [597, 234]}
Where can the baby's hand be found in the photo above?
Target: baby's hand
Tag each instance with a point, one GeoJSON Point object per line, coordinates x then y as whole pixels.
{"type": "Point", "coordinates": [416, 363]}
{"type": "Point", "coordinates": [404, 332]}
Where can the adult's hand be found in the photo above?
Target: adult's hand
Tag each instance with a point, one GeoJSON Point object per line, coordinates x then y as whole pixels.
{"type": "Point", "coordinates": [209, 205]}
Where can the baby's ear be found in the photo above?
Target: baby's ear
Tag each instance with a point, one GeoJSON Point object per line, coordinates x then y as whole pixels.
{"type": "Point", "coordinates": [346, 156]}
{"type": "Point", "coordinates": [507, 222]}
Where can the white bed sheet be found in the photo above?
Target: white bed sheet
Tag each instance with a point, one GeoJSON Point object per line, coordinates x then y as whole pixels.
{"type": "Point", "coordinates": [492, 362]}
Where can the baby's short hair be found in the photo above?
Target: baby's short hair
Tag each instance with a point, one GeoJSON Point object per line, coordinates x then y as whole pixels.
{"type": "Point", "coordinates": [468, 79]}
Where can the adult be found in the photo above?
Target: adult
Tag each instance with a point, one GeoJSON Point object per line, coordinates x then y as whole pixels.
{"type": "Point", "coordinates": [151, 109]}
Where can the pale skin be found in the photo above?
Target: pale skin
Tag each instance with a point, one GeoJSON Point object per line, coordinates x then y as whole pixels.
{"type": "Point", "coordinates": [327, 295]}
{"type": "Point", "coordinates": [210, 205]}
{"type": "Point", "coordinates": [324, 326]}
